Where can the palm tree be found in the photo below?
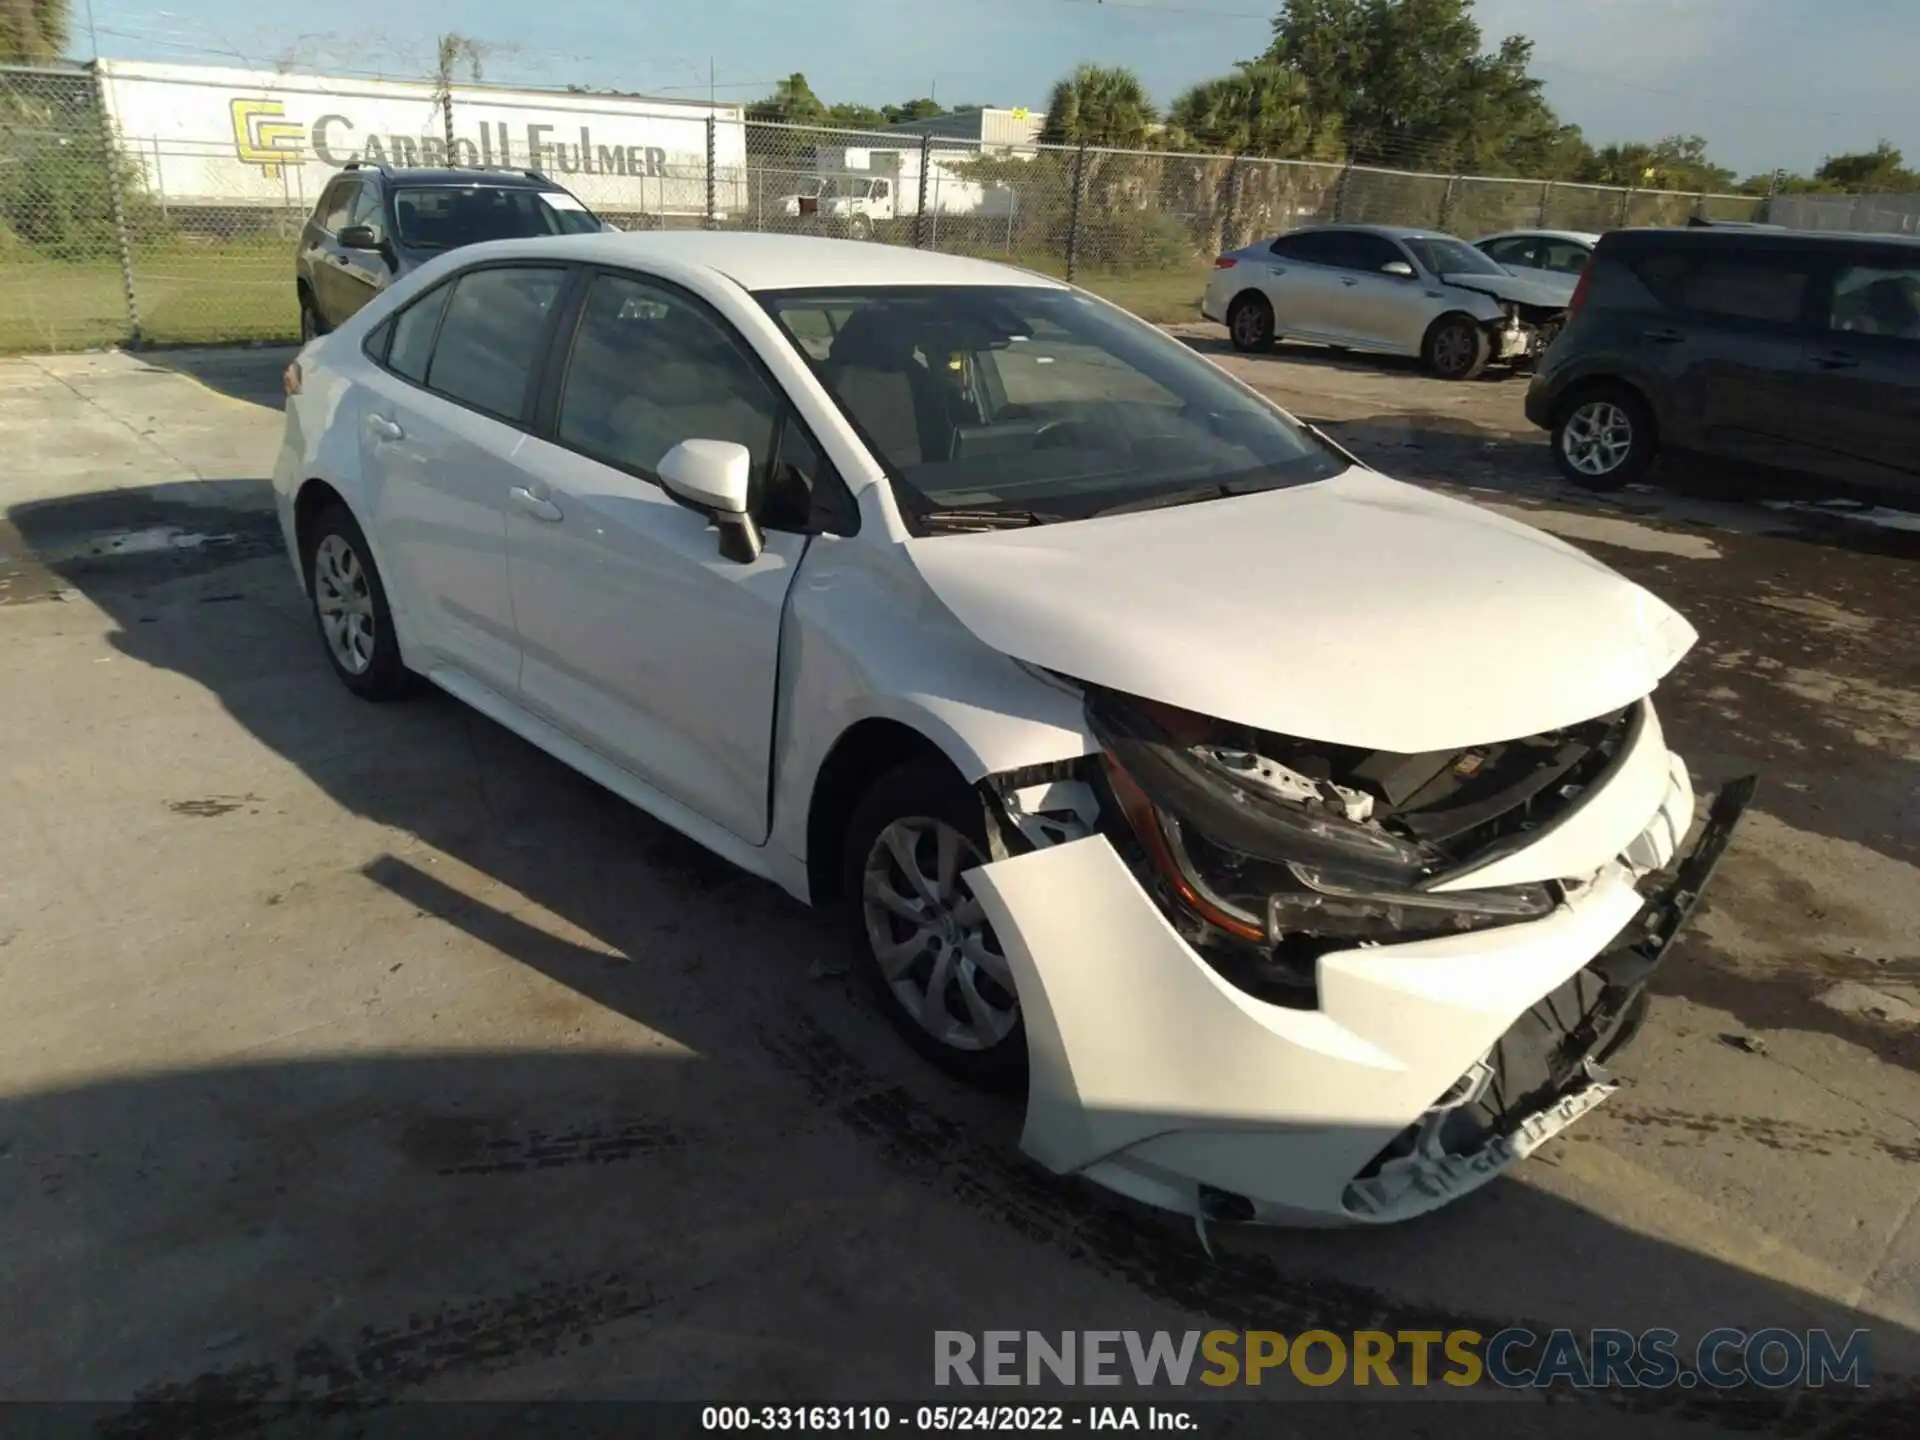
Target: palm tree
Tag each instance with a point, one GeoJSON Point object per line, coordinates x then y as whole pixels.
{"type": "Point", "coordinates": [32, 32]}
{"type": "Point", "coordinates": [1260, 109]}
{"type": "Point", "coordinates": [1100, 105]}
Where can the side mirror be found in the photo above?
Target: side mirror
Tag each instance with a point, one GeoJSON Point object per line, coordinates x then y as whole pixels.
{"type": "Point", "coordinates": [1398, 268]}
{"type": "Point", "coordinates": [714, 477]}
{"type": "Point", "coordinates": [360, 237]}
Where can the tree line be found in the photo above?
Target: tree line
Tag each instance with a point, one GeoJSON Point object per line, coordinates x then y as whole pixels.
{"type": "Point", "coordinates": [1392, 83]}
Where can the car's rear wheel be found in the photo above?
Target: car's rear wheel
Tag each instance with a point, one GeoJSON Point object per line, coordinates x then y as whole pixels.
{"type": "Point", "coordinates": [1250, 323]}
{"type": "Point", "coordinates": [350, 608]}
{"type": "Point", "coordinates": [1605, 438]}
{"type": "Point", "coordinates": [921, 935]}
{"type": "Point", "coordinates": [1456, 348]}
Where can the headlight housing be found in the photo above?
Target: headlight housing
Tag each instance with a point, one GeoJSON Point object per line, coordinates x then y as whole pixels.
{"type": "Point", "coordinates": [1266, 853]}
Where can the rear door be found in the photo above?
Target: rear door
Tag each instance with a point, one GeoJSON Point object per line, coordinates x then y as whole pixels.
{"type": "Point", "coordinates": [1731, 332]}
{"type": "Point", "coordinates": [1861, 415]}
{"type": "Point", "coordinates": [1302, 282]}
{"type": "Point", "coordinates": [639, 638]}
{"type": "Point", "coordinates": [442, 431]}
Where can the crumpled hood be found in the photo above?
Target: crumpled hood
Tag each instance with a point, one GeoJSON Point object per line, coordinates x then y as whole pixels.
{"type": "Point", "coordinates": [1518, 288]}
{"type": "Point", "coordinates": [1357, 611]}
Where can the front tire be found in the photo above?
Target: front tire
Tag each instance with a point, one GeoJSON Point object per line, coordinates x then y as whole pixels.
{"type": "Point", "coordinates": [1250, 323]}
{"type": "Point", "coordinates": [350, 608]}
{"type": "Point", "coordinates": [921, 937]}
{"type": "Point", "coordinates": [1456, 348]}
{"type": "Point", "coordinates": [1605, 438]}
{"type": "Point", "coordinates": [310, 327]}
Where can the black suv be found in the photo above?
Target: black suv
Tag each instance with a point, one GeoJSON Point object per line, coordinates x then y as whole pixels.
{"type": "Point", "coordinates": [1779, 349]}
{"type": "Point", "coordinates": [374, 223]}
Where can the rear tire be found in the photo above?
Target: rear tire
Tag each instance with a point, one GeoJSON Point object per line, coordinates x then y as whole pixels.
{"type": "Point", "coordinates": [1456, 348]}
{"type": "Point", "coordinates": [1605, 437]}
{"type": "Point", "coordinates": [921, 939]}
{"type": "Point", "coordinates": [350, 608]}
{"type": "Point", "coordinates": [1250, 323]}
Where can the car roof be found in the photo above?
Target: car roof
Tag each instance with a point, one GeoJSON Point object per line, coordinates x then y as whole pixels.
{"type": "Point", "coordinates": [1648, 237]}
{"type": "Point", "coordinates": [501, 179]}
{"type": "Point", "coordinates": [780, 262]}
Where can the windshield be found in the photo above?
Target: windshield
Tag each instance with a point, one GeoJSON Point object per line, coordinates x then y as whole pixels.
{"type": "Point", "coordinates": [439, 217]}
{"type": "Point", "coordinates": [1029, 399]}
{"type": "Point", "coordinates": [1443, 255]}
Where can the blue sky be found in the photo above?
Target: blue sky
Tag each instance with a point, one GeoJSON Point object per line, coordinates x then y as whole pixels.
{"type": "Point", "coordinates": [1768, 82]}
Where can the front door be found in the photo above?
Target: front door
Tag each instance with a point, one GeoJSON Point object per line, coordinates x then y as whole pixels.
{"type": "Point", "coordinates": [1861, 420]}
{"type": "Point", "coordinates": [323, 254]}
{"type": "Point", "coordinates": [638, 637]}
{"type": "Point", "coordinates": [440, 439]}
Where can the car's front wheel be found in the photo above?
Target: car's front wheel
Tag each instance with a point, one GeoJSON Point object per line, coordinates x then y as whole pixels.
{"type": "Point", "coordinates": [922, 936]}
{"type": "Point", "coordinates": [350, 608]}
{"type": "Point", "coordinates": [310, 326]}
{"type": "Point", "coordinates": [1456, 348]}
{"type": "Point", "coordinates": [1605, 438]}
{"type": "Point", "coordinates": [1250, 323]}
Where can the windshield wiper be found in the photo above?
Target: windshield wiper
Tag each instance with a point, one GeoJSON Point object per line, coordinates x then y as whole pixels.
{"type": "Point", "coordinates": [983, 519]}
{"type": "Point", "coordinates": [1166, 499]}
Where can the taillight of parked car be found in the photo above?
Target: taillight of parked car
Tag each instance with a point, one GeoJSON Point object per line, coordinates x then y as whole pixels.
{"type": "Point", "coordinates": [1225, 262]}
{"type": "Point", "coordinates": [1580, 290]}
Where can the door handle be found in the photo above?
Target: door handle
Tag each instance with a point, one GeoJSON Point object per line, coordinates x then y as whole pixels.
{"type": "Point", "coordinates": [385, 428]}
{"type": "Point", "coordinates": [1347, 280]}
{"type": "Point", "coordinates": [538, 506]}
{"type": "Point", "coordinates": [1836, 360]}
{"type": "Point", "coordinates": [1663, 337]}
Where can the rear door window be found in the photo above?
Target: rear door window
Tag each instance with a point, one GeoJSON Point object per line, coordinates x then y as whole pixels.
{"type": "Point", "coordinates": [1315, 247]}
{"type": "Point", "coordinates": [1767, 289]}
{"type": "Point", "coordinates": [1876, 300]}
{"type": "Point", "coordinates": [493, 336]}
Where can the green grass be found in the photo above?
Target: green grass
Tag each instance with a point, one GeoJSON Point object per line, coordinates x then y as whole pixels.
{"type": "Point", "coordinates": [188, 294]}
{"type": "Point", "coordinates": [243, 290]}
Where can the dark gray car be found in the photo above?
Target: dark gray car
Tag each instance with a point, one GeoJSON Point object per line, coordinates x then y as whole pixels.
{"type": "Point", "coordinates": [1780, 349]}
{"type": "Point", "coordinates": [374, 223]}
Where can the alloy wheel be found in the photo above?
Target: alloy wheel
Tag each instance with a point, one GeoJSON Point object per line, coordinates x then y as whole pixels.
{"type": "Point", "coordinates": [1453, 349]}
{"type": "Point", "coordinates": [344, 601]}
{"type": "Point", "coordinates": [930, 936]}
{"type": "Point", "coordinates": [1248, 328]}
{"type": "Point", "coordinates": [1598, 438]}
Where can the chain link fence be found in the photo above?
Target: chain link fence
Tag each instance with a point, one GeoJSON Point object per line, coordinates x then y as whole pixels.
{"type": "Point", "coordinates": [110, 238]}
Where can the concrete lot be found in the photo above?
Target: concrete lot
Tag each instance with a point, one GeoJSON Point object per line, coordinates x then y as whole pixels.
{"type": "Point", "coordinates": [363, 1053]}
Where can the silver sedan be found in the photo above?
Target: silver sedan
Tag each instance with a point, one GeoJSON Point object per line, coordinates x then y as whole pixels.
{"type": "Point", "coordinates": [1384, 288]}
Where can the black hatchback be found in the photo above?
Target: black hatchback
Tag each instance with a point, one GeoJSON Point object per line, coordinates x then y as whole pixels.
{"type": "Point", "coordinates": [1781, 349]}
{"type": "Point", "coordinates": [374, 223]}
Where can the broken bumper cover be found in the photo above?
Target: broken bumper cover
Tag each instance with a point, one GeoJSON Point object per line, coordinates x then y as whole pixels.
{"type": "Point", "coordinates": [1153, 1076]}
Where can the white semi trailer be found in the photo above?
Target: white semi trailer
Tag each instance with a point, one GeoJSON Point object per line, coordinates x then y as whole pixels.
{"type": "Point", "coordinates": [208, 136]}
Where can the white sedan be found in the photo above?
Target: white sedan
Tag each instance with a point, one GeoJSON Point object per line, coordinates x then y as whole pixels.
{"type": "Point", "coordinates": [1550, 256]}
{"type": "Point", "coordinates": [1294, 838]}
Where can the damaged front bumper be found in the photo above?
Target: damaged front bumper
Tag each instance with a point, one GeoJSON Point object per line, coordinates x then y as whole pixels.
{"type": "Point", "coordinates": [1157, 1078]}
